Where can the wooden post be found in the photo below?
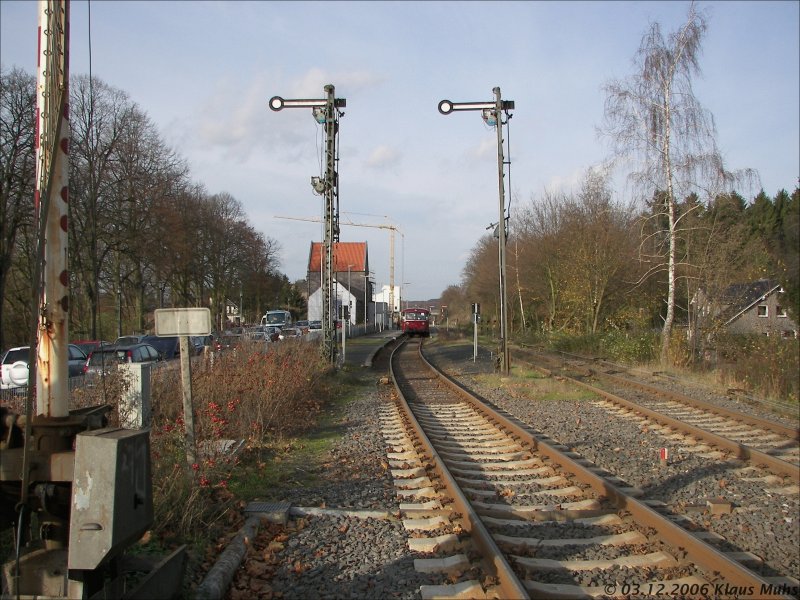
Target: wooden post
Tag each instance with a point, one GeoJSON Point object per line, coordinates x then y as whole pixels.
{"type": "Point", "coordinates": [188, 409]}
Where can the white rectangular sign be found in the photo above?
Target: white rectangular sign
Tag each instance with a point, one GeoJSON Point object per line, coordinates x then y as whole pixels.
{"type": "Point", "coordinates": [183, 321]}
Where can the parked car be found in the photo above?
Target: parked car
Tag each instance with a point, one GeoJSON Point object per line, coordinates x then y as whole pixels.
{"type": "Point", "coordinates": [14, 368]}
{"type": "Point", "coordinates": [77, 358]}
{"type": "Point", "coordinates": [303, 326]}
{"type": "Point", "coordinates": [127, 340]}
{"type": "Point", "coordinates": [169, 346]}
{"type": "Point", "coordinates": [197, 343]}
{"type": "Point", "coordinates": [207, 340]}
{"type": "Point", "coordinates": [312, 325]}
{"type": "Point", "coordinates": [288, 333]}
{"type": "Point", "coordinates": [254, 333]}
{"type": "Point", "coordinates": [89, 345]}
{"type": "Point", "coordinates": [227, 342]}
{"type": "Point", "coordinates": [15, 365]}
{"type": "Point", "coordinates": [105, 359]}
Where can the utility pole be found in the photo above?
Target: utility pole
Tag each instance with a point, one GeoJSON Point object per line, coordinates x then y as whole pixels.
{"type": "Point", "coordinates": [492, 113]}
{"type": "Point", "coordinates": [326, 112]}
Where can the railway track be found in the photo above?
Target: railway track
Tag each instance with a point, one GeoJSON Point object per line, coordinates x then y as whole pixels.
{"type": "Point", "coordinates": [509, 515]}
{"type": "Point", "coordinates": [760, 442]}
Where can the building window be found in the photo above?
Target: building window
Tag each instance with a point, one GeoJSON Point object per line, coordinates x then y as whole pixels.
{"type": "Point", "coordinates": [780, 311]}
{"type": "Point", "coordinates": [762, 310]}
{"type": "Point", "coordinates": [788, 335]}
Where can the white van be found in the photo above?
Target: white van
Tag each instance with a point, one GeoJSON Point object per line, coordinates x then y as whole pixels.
{"type": "Point", "coordinates": [277, 318]}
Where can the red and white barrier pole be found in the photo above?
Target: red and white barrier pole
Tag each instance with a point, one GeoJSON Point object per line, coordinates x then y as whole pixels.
{"type": "Point", "coordinates": [51, 204]}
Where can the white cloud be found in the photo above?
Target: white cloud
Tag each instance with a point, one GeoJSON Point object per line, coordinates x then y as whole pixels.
{"type": "Point", "coordinates": [312, 83]}
{"type": "Point", "coordinates": [235, 116]}
{"type": "Point", "coordinates": [565, 183]}
{"type": "Point", "coordinates": [383, 156]}
{"type": "Point", "coordinates": [487, 148]}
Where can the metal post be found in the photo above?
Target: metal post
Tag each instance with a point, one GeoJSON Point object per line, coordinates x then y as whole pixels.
{"type": "Point", "coordinates": [349, 298]}
{"type": "Point", "coordinates": [474, 338]}
{"type": "Point", "coordinates": [493, 115]}
{"type": "Point", "coordinates": [391, 278]}
{"type": "Point", "coordinates": [51, 198]}
{"type": "Point", "coordinates": [504, 366]}
{"type": "Point", "coordinates": [325, 111]}
{"type": "Point", "coordinates": [476, 315]}
{"type": "Point", "coordinates": [328, 305]}
{"type": "Point", "coordinates": [344, 334]}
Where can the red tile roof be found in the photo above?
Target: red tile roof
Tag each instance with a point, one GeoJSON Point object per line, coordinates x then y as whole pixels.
{"type": "Point", "coordinates": [344, 254]}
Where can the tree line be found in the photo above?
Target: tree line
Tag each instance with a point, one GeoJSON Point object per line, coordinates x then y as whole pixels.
{"type": "Point", "coordinates": [585, 262]}
{"type": "Point", "coordinates": [142, 233]}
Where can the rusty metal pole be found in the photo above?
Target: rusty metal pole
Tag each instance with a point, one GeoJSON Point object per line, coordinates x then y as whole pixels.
{"type": "Point", "coordinates": [52, 198]}
{"type": "Point", "coordinates": [48, 369]}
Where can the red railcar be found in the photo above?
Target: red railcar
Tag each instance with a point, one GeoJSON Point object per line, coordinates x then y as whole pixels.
{"type": "Point", "coordinates": [415, 321]}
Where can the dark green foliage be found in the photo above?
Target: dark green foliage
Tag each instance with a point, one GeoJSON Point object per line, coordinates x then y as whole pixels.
{"type": "Point", "coordinates": [774, 224]}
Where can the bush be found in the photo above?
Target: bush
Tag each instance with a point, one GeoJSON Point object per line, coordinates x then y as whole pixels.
{"type": "Point", "coordinates": [764, 366]}
{"type": "Point", "coordinates": [243, 394]}
{"type": "Point", "coordinates": [629, 347]}
{"type": "Point", "coordinates": [767, 367]}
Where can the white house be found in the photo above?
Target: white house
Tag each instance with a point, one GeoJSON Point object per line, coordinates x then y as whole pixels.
{"type": "Point", "coordinates": [383, 296]}
{"type": "Point", "coordinates": [343, 298]}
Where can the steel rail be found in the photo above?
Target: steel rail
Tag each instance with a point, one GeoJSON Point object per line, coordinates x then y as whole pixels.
{"type": "Point", "coordinates": [781, 406]}
{"type": "Point", "coordinates": [773, 426]}
{"type": "Point", "coordinates": [508, 582]}
{"type": "Point", "coordinates": [789, 432]}
{"type": "Point", "coordinates": [706, 557]}
{"type": "Point", "coordinates": [741, 451]}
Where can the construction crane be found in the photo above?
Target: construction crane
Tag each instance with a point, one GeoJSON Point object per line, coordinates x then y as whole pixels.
{"type": "Point", "coordinates": [391, 228]}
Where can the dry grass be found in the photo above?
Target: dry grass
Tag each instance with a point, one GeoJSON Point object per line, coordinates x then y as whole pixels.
{"type": "Point", "coordinates": [244, 394]}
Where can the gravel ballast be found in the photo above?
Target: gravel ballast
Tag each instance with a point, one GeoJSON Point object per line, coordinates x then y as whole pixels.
{"type": "Point", "coordinates": [762, 521]}
{"type": "Point", "coordinates": [340, 555]}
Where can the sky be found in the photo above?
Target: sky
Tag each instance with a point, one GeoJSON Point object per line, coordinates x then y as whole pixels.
{"type": "Point", "coordinates": [204, 72]}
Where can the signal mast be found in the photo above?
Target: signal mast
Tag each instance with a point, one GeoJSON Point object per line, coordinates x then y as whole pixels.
{"type": "Point", "coordinates": [326, 112]}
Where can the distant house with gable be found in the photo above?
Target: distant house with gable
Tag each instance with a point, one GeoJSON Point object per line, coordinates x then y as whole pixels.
{"type": "Point", "coordinates": [758, 307]}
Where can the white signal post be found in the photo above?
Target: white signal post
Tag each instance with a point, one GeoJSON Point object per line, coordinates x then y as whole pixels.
{"type": "Point", "coordinates": [492, 113]}
{"type": "Point", "coordinates": [325, 111]}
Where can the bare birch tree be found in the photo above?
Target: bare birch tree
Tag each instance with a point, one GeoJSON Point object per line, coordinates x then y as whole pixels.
{"type": "Point", "coordinates": [655, 119]}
